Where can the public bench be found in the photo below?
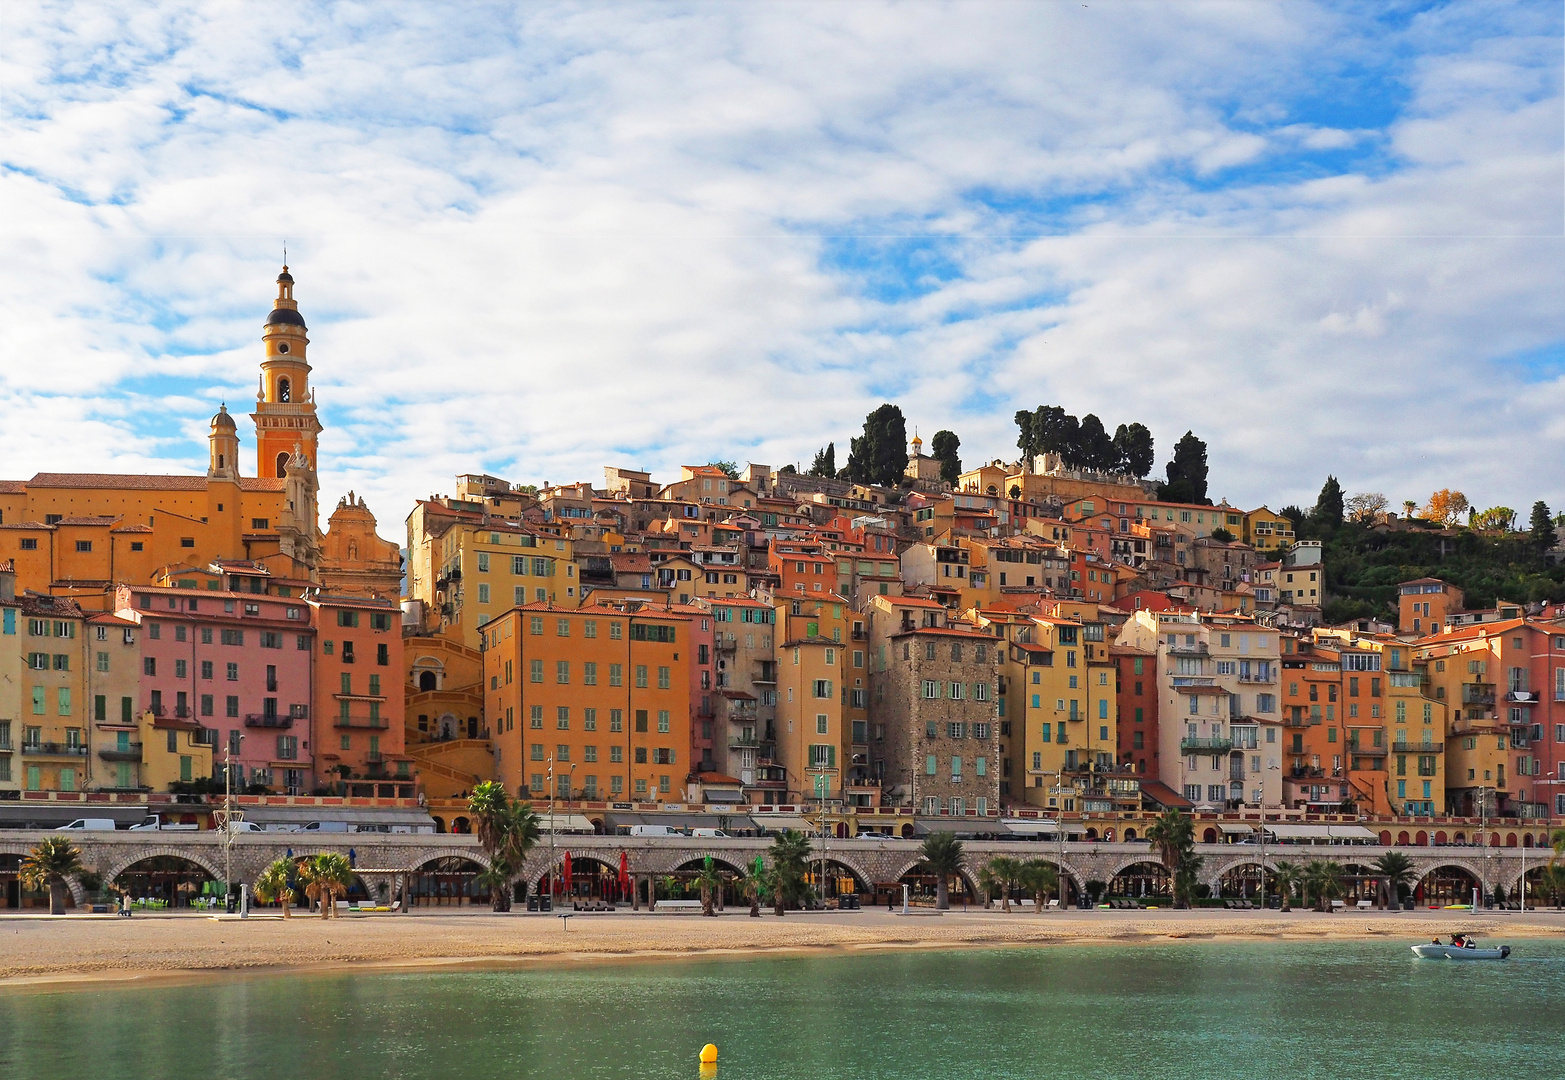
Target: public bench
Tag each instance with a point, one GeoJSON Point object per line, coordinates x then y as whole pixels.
{"type": "Point", "coordinates": [677, 906]}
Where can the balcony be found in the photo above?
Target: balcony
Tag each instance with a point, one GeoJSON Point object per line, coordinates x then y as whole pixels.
{"type": "Point", "coordinates": [1418, 748]}
{"type": "Point", "coordinates": [1366, 751]}
{"type": "Point", "coordinates": [264, 720]}
{"type": "Point", "coordinates": [54, 749]}
{"type": "Point", "coordinates": [371, 723]}
{"type": "Point", "coordinates": [1258, 677]}
{"type": "Point", "coordinates": [743, 742]}
{"type": "Point", "coordinates": [1303, 772]}
{"type": "Point", "coordinates": [1478, 693]}
{"type": "Point", "coordinates": [1198, 649]}
{"type": "Point", "coordinates": [859, 635]}
{"type": "Point", "coordinates": [1522, 697]}
{"type": "Point", "coordinates": [374, 757]}
{"type": "Point", "coordinates": [1219, 745]}
{"type": "Point", "coordinates": [127, 752]}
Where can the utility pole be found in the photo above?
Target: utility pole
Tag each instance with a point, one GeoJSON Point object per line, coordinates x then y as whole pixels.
{"type": "Point", "coordinates": [548, 878]}
{"type": "Point", "coordinates": [228, 824]}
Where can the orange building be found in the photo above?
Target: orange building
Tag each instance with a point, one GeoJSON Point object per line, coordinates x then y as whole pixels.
{"type": "Point", "coordinates": [357, 733]}
{"type": "Point", "coordinates": [1424, 606]}
{"type": "Point", "coordinates": [598, 695]}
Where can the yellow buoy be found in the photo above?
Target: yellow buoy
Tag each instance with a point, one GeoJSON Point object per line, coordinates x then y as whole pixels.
{"type": "Point", "coordinates": [709, 1054]}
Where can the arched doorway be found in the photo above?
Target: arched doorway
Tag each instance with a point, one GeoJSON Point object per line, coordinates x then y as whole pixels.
{"type": "Point", "coordinates": [168, 882]}
{"type": "Point", "coordinates": [1142, 881]}
{"type": "Point", "coordinates": [1445, 885]}
{"type": "Point", "coordinates": [923, 887]}
{"type": "Point", "coordinates": [835, 881]}
{"type": "Point", "coordinates": [591, 879]}
{"type": "Point", "coordinates": [1209, 836]}
{"type": "Point", "coordinates": [1359, 882]}
{"type": "Point", "coordinates": [461, 825]}
{"type": "Point", "coordinates": [1241, 882]}
{"type": "Point", "coordinates": [1130, 834]}
{"type": "Point", "coordinates": [450, 881]}
{"type": "Point", "coordinates": [426, 681]}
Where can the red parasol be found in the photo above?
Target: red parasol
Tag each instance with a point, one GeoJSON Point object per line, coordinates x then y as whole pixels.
{"type": "Point", "coordinates": [567, 874]}
{"type": "Point", "coordinates": [624, 875]}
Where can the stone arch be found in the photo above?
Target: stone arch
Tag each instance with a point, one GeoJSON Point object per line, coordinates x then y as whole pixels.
{"type": "Point", "coordinates": [1159, 872]}
{"type": "Point", "coordinates": [1434, 866]}
{"type": "Point", "coordinates": [123, 860]}
{"type": "Point", "coordinates": [965, 870]}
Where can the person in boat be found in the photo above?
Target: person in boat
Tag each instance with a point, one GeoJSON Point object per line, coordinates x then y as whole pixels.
{"type": "Point", "coordinates": [1435, 940]}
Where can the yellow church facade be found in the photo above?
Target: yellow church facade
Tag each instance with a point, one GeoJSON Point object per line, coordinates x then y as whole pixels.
{"type": "Point", "coordinates": [79, 534]}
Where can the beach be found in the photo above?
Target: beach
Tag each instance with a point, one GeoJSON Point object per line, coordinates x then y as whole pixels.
{"type": "Point", "coordinates": [40, 950]}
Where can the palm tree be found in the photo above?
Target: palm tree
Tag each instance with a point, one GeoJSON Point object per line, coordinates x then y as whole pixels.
{"type": "Point", "coordinates": [757, 886]}
{"type": "Point", "coordinates": [709, 881]}
{"type": "Point", "coordinates": [276, 884]}
{"type": "Point", "coordinates": [326, 877]}
{"type": "Point", "coordinates": [1173, 835]}
{"type": "Point", "coordinates": [1185, 880]}
{"type": "Point", "coordinates": [1038, 878]}
{"type": "Point", "coordinates": [496, 878]}
{"type": "Point", "coordinates": [1323, 881]}
{"type": "Point", "coordinates": [487, 806]}
{"type": "Point", "coordinates": [508, 830]}
{"type": "Point", "coordinates": [1000, 872]}
{"type": "Point", "coordinates": [1286, 875]}
{"type": "Point", "coordinates": [942, 853]}
{"type": "Point", "coordinates": [1395, 870]}
{"type": "Point", "coordinates": [1552, 881]}
{"type": "Point", "coordinates": [49, 864]}
{"type": "Point", "coordinates": [790, 856]}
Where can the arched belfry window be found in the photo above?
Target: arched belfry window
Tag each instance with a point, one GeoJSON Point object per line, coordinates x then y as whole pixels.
{"type": "Point", "coordinates": [282, 465]}
{"type": "Point", "coordinates": [284, 390]}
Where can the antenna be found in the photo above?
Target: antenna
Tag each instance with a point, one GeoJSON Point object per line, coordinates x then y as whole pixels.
{"type": "Point", "coordinates": [285, 254]}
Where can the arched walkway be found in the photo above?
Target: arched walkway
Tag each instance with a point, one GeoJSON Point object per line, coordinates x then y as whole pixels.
{"type": "Point", "coordinates": [590, 879]}
{"type": "Point", "coordinates": [1141, 880]}
{"type": "Point", "coordinates": [450, 880]}
{"type": "Point", "coordinates": [1447, 884]}
{"type": "Point", "coordinates": [923, 886]}
{"type": "Point", "coordinates": [1240, 882]}
{"type": "Point", "coordinates": [169, 882]}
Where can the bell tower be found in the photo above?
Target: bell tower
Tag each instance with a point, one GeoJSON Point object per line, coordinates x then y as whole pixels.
{"type": "Point", "coordinates": [285, 421]}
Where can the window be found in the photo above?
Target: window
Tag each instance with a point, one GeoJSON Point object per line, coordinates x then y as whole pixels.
{"type": "Point", "coordinates": [821, 688]}
{"type": "Point", "coordinates": [663, 721]}
{"type": "Point", "coordinates": [562, 672]}
{"type": "Point", "coordinates": [932, 689]}
{"type": "Point", "coordinates": [616, 675]}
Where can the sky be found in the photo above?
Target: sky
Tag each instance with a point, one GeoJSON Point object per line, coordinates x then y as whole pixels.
{"type": "Point", "coordinates": [534, 240]}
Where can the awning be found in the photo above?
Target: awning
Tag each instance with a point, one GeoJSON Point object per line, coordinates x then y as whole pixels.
{"type": "Point", "coordinates": [719, 795]}
{"type": "Point", "coordinates": [779, 822]}
{"type": "Point", "coordinates": [1029, 826]}
{"type": "Point", "coordinates": [565, 823]}
{"type": "Point", "coordinates": [1330, 834]}
{"type": "Point", "coordinates": [1235, 830]}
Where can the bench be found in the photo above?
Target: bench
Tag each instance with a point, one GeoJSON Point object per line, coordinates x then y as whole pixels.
{"type": "Point", "coordinates": [678, 905]}
{"type": "Point", "coordinates": [1338, 905]}
{"type": "Point", "coordinates": [1365, 905]}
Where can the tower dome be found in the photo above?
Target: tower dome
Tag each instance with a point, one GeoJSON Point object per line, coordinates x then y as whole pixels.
{"type": "Point", "coordinates": [222, 420]}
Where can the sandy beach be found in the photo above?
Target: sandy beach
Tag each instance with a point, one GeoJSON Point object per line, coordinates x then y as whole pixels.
{"type": "Point", "coordinates": [38, 950]}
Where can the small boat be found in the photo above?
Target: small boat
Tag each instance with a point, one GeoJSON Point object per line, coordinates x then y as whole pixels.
{"type": "Point", "coordinates": [1461, 948]}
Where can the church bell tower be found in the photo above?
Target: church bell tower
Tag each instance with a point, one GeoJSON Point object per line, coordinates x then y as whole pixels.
{"type": "Point", "coordinates": [285, 421]}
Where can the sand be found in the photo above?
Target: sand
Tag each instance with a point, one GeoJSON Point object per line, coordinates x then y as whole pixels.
{"type": "Point", "coordinates": [39, 950]}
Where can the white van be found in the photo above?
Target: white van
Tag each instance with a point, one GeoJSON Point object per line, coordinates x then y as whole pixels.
{"type": "Point", "coordinates": [105, 824]}
{"type": "Point", "coordinates": [707, 832]}
{"type": "Point", "coordinates": [324, 826]}
{"type": "Point", "coordinates": [159, 823]}
{"type": "Point", "coordinates": [654, 830]}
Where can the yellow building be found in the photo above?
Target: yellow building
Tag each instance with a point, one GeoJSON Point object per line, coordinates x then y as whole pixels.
{"type": "Point", "coordinates": [816, 708]}
{"type": "Point", "coordinates": [1266, 531]}
{"type": "Point", "coordinates": [51, 708]}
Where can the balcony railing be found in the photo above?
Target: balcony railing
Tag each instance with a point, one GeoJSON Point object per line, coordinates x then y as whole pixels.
{"type": "Point", "coordinates": [54, 749]}
{"type": "Point", "coordinates": [1219, 745]}
{"type": "Point", "coordinates": [1477, 693]}
{"type": "Point", "coordinates": [1523, 697]}
{"type": "Point", "coordinates": [1258, 677]}
{"type": "Point", "coordinates": [1418, 748]}
{"type": "Point", "coordinates": [128, 752]}
{"type": "Point", "coordinates": [265, 720]}
{"type": "Point", "coordinates": [1198, 649]}
{"type": "Point", "coordinates": [739, 742]}
{"type": "Point", "coordinates": [359, 722]}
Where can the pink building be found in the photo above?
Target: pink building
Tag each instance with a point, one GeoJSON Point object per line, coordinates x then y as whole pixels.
{"type": "Point", "coordinates": [239, 664]}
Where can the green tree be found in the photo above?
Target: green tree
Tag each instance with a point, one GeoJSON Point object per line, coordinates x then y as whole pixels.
{"type": "Point", "coordinates": [1001, 872]}
{"type": "Point", "coordinates": [326, 877]}
{"type": "Point", "coordinates": [943, 448]}
{"type": "Point", "coordinates": [790, 852]}
{"type": "Point", "coordinates": [1366, 507]}
{"type": "Point", "coordinates": [276, 885]}
{"type": "Point", "coordinates": [1187, 472]}
{"type": "Point", "coordinates": [1049, 429]}
{"type": "Point", "coordinates": [1222, 534]}
{"type": "Point", "coordinates": [710, 882]}
{"type": "Point", "coordinates": [825, 463]}
{"type": "Point", "coordinates": [729, 469]}
{"type": "Point", "coordinates": [1094, 447]}
{"type": "Point", "coordinates": [1541, 533]}
{"type": "Point", "coordinates": [1396, 873]}
{"type": "Point", "coordinates": [1322, 882]}
{"type": "Point", "coordinates": [1287, 877]}
{"type": "Point", "coordinates": [1328, 505]}
{"type": "Point", "coordinates": [1173, 835]}
{"type": "Point", "coordinates": [1133, 446]}
{"type": "Point", "coordinates": [942, 853]}
{"type": "Point", "coordinates": [879, 456]}
{"type": "Point", "coordinates": [1497, 518]}
{"type": "Point", "coordinates": [47, 865]}
{"type": "Point", "coordinates": [507, 831]}
{"type": "Point", "coordinates": [757, 885]}
{"type": "Point", "coordinates": [1038, 878]}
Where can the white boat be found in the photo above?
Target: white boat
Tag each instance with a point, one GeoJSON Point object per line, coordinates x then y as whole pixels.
{"type": "Point", "coordinates": [1460, 952]}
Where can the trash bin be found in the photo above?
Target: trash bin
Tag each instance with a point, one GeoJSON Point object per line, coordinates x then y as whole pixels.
{"type": "Point", "coordinates": [546, 903]}
{"type": "Point", "coordinates": [532, 902]}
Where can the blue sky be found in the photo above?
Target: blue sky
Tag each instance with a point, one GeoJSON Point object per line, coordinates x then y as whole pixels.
{"type": "Point", "coordinates": [539, 239]}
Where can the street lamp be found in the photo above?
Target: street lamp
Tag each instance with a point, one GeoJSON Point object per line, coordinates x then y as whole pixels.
{"type": "Point", "coordinates": [549, 875]}
{"type": "Point", "coordinates": [228, 823]}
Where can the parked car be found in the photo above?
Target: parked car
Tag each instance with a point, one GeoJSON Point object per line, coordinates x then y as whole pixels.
{"type": "Point", "coordinates": [654, 830]}
{"type": "Point", "coordinates": [105, 824]}
{"type": "Point", "coordinates": [707, 832]}
{"type": "Point", "coordinates": [323, 826]}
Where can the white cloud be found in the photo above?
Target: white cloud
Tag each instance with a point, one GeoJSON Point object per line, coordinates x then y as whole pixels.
{"type": "Point", "coordinates": [537, 240]}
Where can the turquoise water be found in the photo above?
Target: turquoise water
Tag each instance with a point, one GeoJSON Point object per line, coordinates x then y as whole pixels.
{"type": "Point", "coordinates": [1168, 1011]}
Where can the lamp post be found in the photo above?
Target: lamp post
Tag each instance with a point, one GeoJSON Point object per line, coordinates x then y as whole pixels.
{"type": "Point", "coordinates": [228, 823]}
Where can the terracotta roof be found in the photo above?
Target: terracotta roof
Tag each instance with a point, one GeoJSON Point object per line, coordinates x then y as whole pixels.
{"type": "Point", "coordinates": [149, 482]}
{"type": "Point", "coordinates": [26, 525]}
{"type": "Point", "coordinates": [13, 487]}
{"type": "Point", "coordinates": [1164, 795]}
{"type": "Point", "coordinates": [87, 519]}
{"type": "Point", "coordinates": [949, 631]}
{"type": "Point", "coordinates": [111, 617]}
{"type": "Point", "coordinates": [912, 601]}
{"type": "Point", "coordinates": [132, 529]}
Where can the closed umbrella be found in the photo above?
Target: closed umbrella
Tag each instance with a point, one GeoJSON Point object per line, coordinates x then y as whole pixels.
{"type": "Point", "coordinates": [567, 875]}
{"type": "Point", "coordinates": [624, 875]}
